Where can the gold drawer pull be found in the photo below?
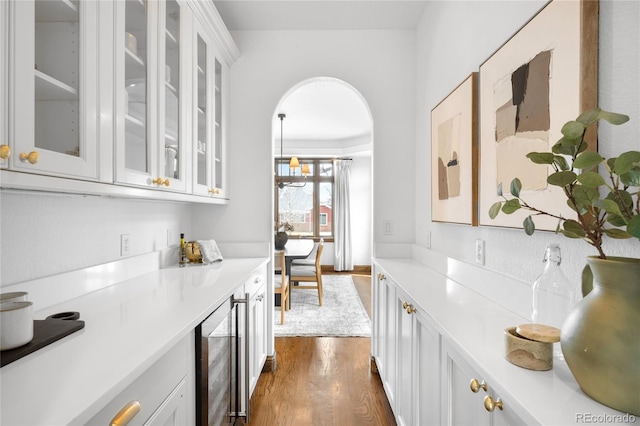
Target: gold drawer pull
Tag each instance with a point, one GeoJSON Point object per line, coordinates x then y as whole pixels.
{"type": "Point", "coordinates": [475, 385]}
{"type": "Point", "coordinates": [5, 151]}
{"type": "Point", "coordinates": [214, 191]}
{"type": "Point", "coordinates": [127, 413]}
{"type": "Point", "coordinates": [159, 181]}
{"type": "Point", "coordinates": [490, 404]}
{"type": "Point", "coordinates": [31, 157]}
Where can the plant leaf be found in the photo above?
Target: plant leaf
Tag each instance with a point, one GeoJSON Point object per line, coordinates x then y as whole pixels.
{"type": "Point", "coordinates": [609, 206]}
{"type": "Point", "coordinates": [562, 178]}
{"type": "Point", "coordinates": [616, 233]}
{"type": "Point", "coordinates": [615, 220]}
{"type": "Point", "coordinates": [590, 179]}
{"type": "Point", "coordinates": [573, 130]}
{"type": "Point", "coordinates": [541, 157]}
{"type": "Point", "coordinates": [573, 227]}
{"type": "Point", "coordinates": [495, 209]}
{"type": "Point", "coordinates": [585, 196]}
{"type": "Point", "coordinates": [516, 185]}
{"type": "Point", "coordinates": [511, 206]}
{"type": "Point", "coordinates": [528, 225]}
{"type": "Point", "coordinates": [587, 118]}
{"type": "Point", "coordinates": [631, 178]}
{"type": "Point", "coordinates": [633, 227]}
{"type": "Point", "coordinates": [565, 146]}
{"type": "Point", "coordinates": [499, 189]}
{"type": "Point", "coordinates": [624, 199]}
{"type": "Point", "coordinates": [613, 117]}
{"type": "Point", "coordinates": [587, 160]}
{"type": "Point", "coordinates": [625, 162]}
{"type": "Point", "coordinates": [561, 162]}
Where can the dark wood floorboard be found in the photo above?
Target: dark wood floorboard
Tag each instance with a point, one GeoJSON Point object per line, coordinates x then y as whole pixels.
{"type": "Point", "coordinates": [323, 381]}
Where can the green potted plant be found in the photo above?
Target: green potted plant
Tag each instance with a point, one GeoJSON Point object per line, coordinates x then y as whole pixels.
{"type": "Point", "coordinates": [599, 339]}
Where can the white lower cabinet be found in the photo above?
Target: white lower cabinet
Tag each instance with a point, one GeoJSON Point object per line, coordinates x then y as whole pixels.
{"type": "Point", "coordinates": [418, 396]}
{"type": "Point", "coordinates": [467, 398]}
{"type": "Point", "coordinates": [157, 397]}
{"type": "Point", "coordinates": [386, 334]}
{"type": "Point", "coordinates": [258, 337]}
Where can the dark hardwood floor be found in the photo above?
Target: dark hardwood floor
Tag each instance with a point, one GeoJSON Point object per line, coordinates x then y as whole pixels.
{"type": "Point", "coordinates": [323, 381]}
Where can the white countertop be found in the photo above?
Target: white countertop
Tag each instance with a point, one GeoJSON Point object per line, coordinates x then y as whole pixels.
{"type": "Point", "coordinates": [475, 325]}
{"type": "Point", "coordinates": [128, 326]}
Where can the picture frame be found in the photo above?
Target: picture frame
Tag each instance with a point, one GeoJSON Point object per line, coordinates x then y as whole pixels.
{"type": "Point", "coordinates": [454, 189]}
{"type": "Point", "coordinates": [542, 77]}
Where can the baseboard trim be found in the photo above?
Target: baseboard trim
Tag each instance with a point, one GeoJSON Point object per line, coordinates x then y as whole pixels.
{"type": "Point", "coordinates": [270, 364]}
{"type": "Point", "coordinates": [357, 269]}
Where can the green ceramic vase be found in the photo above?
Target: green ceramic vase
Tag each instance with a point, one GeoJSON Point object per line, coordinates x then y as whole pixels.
{"type": "Point", "coordinates": [600, 338]}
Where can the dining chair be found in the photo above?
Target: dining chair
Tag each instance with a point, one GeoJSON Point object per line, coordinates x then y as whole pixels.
{"type": "Point", "coordinates": [281, 283]}
{"type": "Point", "coordinates": [308, 274]}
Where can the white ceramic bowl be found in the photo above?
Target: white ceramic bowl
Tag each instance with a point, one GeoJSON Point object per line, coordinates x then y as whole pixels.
{"type": "Point", "coordinates": [16, 324]}
{"type": "Point", "coordinates": [15, 296]}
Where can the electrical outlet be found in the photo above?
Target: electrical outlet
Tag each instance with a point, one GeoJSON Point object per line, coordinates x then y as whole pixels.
{"type": "Point", "coordinates": [387, 228]}
{"type": "Point", "coordinates": [480, 252]}
{"type": "Point", "coordinates": [124, 245]}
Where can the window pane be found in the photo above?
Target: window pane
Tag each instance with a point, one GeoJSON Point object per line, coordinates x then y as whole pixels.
{"type": "Point", "coordinates": [326, 169]}
{"type": "Point", "coordinates": [296, 208]}
{"type": "Point", "coordinates": [326, 201]}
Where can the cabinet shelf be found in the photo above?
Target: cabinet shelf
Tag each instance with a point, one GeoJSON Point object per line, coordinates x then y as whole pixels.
{"type": "Point", "coordinates": [49, 89]}
{"type": "Point", "coordinates": [56, 11]}
{"type": "Point", "coordinates": [134, 66]}
{"type": "Point", "coordinates": [171, 37]}
{"type": "Point", "coordinates": [135, 127]}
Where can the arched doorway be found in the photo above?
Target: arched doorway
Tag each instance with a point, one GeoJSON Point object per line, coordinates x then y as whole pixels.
{"type": "Point", "coordinates": [326, 118]}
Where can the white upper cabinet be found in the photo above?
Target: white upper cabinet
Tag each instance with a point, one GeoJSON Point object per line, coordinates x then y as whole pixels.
{"type": "Point", "coordinates": [151, 56]}
{"type": "Point", "coordinates": [53, 81]}
{"type": "Point", "coordinates": [209, 93]}
{"type": "Point", "coordinates": [115, 97]}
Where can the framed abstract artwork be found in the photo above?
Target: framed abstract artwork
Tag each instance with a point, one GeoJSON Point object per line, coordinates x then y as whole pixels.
{"type": "Point", "coordinates": [454, 155]}
{"type": "Point", "coordinates": [542, 77]}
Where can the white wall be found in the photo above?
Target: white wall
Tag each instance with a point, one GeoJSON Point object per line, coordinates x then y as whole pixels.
{"type": "Point", "coordinates": [45, 234]}
{"type": "Point", "coordinates": [378, 64]}
{"type": "Point", "coordinates": [453, 39]}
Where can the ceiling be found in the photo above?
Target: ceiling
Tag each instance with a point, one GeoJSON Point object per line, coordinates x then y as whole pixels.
{"type": "Point", "coordinates": [246, 15]}
{"type": "Point", "coordinates": [322, 116]}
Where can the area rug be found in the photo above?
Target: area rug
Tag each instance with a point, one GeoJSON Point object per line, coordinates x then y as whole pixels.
{"type": "Point", "coordinates": [341, 314]}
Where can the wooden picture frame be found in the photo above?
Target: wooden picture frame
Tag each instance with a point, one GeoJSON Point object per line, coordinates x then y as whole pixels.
{"type": "Point", "coordinates": [542, 77]}
{"type": "Point", "coordinates": [454, 189]}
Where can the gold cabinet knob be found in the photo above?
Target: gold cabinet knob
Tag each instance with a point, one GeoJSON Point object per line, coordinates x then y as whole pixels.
{"type": "Point", "coordinates": [159, 181]}
{"type": "Point", "coordinates": [214, 191]}
{"type": "Point", "coordinates": [490, 404]}
{"type": "Point", "coordinates": [127, 413]}
{"type": "Point", "coordinates": [5, 151]}
{"type": "Point", "coordinates": [31, 158]}
{"type": "Point", "coordinates": [410, 309]}
{"type": "Point", "coordinates": [475, 385]}
{"type": "Point", "coordinates": [404, 305]}
{"type": "Point", "coordinates": [381, 277]}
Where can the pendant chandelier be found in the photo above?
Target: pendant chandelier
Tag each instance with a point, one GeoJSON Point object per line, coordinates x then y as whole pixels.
{"type": "Point", "coordinates": [294, 163]}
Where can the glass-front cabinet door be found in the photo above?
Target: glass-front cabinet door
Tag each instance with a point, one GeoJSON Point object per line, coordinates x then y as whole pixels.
{"type": "Point", "coordinates": [208, 120]}
{"type": "Point", "coordinates": [149, 61]}
{"type": "Point", "coordinates": [53, 83]}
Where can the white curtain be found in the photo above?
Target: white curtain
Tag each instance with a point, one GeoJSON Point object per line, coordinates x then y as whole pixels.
{"type": "Point", "coordinates": [342, 259]}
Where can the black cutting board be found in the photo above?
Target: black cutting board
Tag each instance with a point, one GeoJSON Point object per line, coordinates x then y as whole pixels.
{"type": "Point", "coordinates": [45, 332]}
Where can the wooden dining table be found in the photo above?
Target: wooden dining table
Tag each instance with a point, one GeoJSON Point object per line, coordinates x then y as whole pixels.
{"type": "Point", "coordinates": [299, 248]}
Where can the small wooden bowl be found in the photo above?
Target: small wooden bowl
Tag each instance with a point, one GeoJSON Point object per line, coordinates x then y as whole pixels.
{"type": "Point", "coordinates": [527, 353]}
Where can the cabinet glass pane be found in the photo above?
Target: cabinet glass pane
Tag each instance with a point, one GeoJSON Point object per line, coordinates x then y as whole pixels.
{"type": "Point", "coordinates": [57, 76]}
{"type": "Point", "coordinates": [201, 92]}
{"type": "Point", "coordinates": [172, 91]}
{"type": "Point", "coordinates": [136, 156]}
{"type": "Point", "coordinates": [218, 126]}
